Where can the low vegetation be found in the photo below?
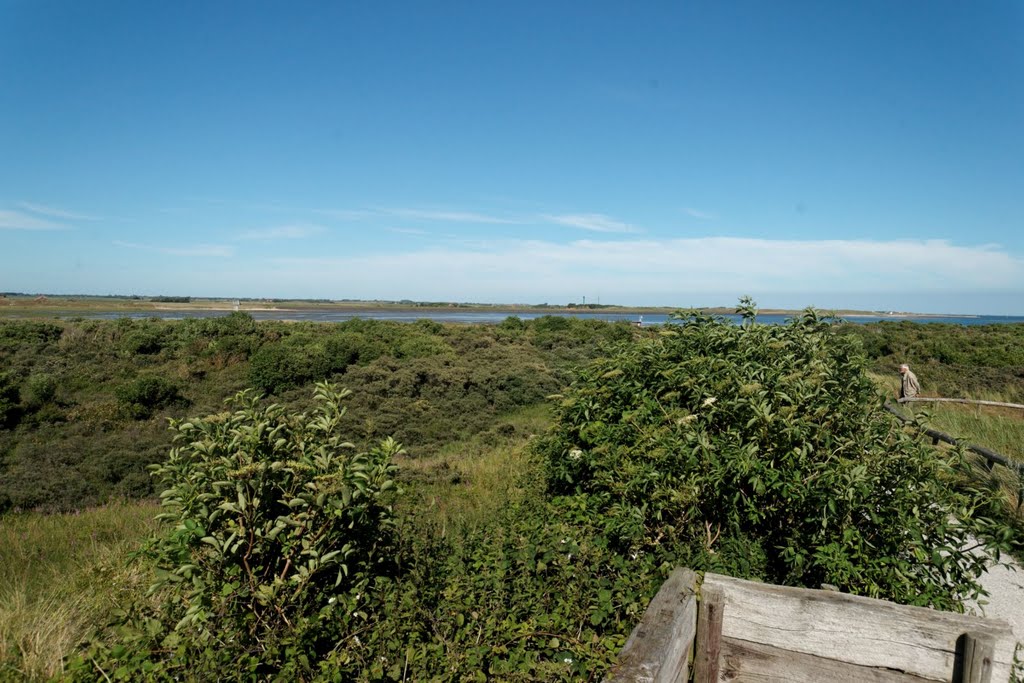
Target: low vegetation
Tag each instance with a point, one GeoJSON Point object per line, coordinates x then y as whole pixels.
{"type": "Point", "coordinates": [513, 538]}
{"type": "Point", "coordinates": [957, 361]}
{"type": "Point", "coordinates": [84, 404]}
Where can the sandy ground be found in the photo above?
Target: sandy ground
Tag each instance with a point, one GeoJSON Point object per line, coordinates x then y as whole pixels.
{"type": "Point", "coordinates": [1006, 596]}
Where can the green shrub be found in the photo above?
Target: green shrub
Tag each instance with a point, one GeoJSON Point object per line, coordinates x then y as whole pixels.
{"type": "Point", "coordinates": [512, 323]}
{"type": "Point", "coordinates": [345, 349]}
{"type": "Point", "coordinates": [763, 451]}
{"type": "Point", "coordinates": [275, 528]}
{"type": "Point", "coordinates": [142, 341]}
{"type": "Point", "coordinates": [278, 366]}
{"type": "Point", "coordinates": [38, 390]}
{"type": "Point", "coordinates": [14, 332]}
{"type": "Point", "coordinates": [10, 409]}
{"type": "Point", "coordinates": [140, 398]}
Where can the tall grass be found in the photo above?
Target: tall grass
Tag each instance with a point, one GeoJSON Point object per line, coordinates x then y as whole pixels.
{"type": "Point", "coordinates": [1000, 431]}
{"type": "Point", "coordinates": [466, 482]}
{"type": "Point", "coordinates": [59, 576]}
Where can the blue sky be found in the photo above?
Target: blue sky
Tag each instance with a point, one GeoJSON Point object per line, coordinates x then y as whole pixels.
{"type": "Point", "coordinates": [860, 154]}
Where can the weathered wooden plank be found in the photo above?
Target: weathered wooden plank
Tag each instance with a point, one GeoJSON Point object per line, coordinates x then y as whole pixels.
{"type": "Point", "coordinates": [971, 401]}
{"type": "Point", "coordinates": [658, 649]}
{"type": "Point", "coordinates": [709, 635]}
{"type": "Point", "coordinates": [976, 664]}
{"type": "Point", "coordinates": [856, 630]}
{"type": "Point", "coordinates": [743, 661]}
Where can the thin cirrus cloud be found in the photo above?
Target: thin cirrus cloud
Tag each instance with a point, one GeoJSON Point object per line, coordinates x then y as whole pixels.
{"type": "Point", "coordinates": [198, 250]}
{"type": "Point", "coordinates": [55, 212]}
{"type": "Point", "coordinates": [408, 231]}
{"type": "Point", "coordinates": [594, 222]}
{"type": "Point", "coordinates": [433, 215]}
{"type": "Point", "coordinates": [512, 270]}
{"type": "Point", "coordinates": [284, 232]}
{"type": "Point", "coordinates": [702, 215]}
{"type": "Point", "coordinates": [450, 216]}
{"type": "Point", "coordinates": [19, 220]}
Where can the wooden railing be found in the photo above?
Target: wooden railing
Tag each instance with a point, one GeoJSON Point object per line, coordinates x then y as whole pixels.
{"type": "Point", "coordinates": [741, 630]}
{"type": "Point", "coordinates": [969, 401]}
{"type": "Point", "coordinates": [991, 457]}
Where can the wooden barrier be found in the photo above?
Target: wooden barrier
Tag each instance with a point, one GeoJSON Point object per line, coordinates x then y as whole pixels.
{"type": "Point", "coordinates": [968, 401]}
{"type": "Point", "coordinates": [991, 457]}
{"type": "Point", "coordinates": [747, 631]}
{"type": "Point", "coordinates": [937, 436]}
{"type": "Point", "coordinates": [658, 649]}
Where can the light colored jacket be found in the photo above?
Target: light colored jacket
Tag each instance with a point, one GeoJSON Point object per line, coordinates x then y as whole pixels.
{"type": "Point", "coordinates": [909, 388]}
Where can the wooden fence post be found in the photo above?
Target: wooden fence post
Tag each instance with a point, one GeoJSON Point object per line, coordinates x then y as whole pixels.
{"type": "Point", "coordinates": [708, 648]}
{"type": "Point", "coordinates": [658, 650]}
{"type": "Point", "coordinates": [977, 651]}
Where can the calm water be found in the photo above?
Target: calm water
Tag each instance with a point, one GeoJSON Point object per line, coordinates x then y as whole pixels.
{"type": "Point", "coordinates": [488, 317]}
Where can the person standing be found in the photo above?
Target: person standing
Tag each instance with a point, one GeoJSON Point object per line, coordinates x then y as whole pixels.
{"type": "Point", "coordinates": [909, 387]}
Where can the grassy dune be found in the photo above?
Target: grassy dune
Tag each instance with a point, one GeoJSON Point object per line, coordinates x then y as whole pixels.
{"type": "Point", "coordinates": [59, 576]}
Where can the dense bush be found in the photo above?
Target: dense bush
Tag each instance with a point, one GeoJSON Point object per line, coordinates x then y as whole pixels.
{"type": "Point", "coordinates": [18, 332]}
{"type": "Point", "coordinates": [10, 409]}
{"type": "Point", "coordinates": [523, 597]}
{"type": "Point", "coordinates": [275, 529]}
{"type": "Point", "coordinates": [763, 451]}
{"type": "Point", "coordinates": [141, 397]}
{"type": "Point", "coordinates": [146, 340]}
{"type": "Point", "coordinates": [277, 367]}
{"type": "Point", "coordinates": [38, 390]}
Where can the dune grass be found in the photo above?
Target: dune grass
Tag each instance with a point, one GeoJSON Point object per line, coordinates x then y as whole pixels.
{"type": "Point", "coordinates": [995, 428]}
{"type": "Point", "coordinates": [59, 576]}
{"type": "Point", "coordinates": [999, 430]}
{"type": "Point", "coordinates": [466, 482]}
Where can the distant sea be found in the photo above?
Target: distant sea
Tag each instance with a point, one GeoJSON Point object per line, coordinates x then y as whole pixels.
{"type": "Point", "coordinates": [493, 317]}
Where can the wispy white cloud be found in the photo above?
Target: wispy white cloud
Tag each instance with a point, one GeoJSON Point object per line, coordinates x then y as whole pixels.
{"type": "Point", "coordinates": [594, 222]}
{"type": "Point", "coordinates": [702, 215]}
{"type": "Point", "coordinates": [19, 220]}
{"type": "Point", "coordinates": [284, 232]}
{"type": "Point", "coordinates": [408, 231]}
{"type": "Point", "coordinates": [520, 270]}
{"type": "Point", "coordinates": [435, 215]}
{"type": "Point", "coordinates": [54, 212]}
{"type": "Point", "coordinates": [449, 216]}
{"type": "Point", "coordinates": [216, 250]}
{"type": "Point", "coordinates": [346, 214]}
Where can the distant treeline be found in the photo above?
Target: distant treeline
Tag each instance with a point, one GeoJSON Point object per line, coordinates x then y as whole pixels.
{"type": "Point", "coordinates": [171, 299]}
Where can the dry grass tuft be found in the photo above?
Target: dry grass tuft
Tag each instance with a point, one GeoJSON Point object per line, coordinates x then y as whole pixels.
{"type": "Point", "coordinates": [59, 576]}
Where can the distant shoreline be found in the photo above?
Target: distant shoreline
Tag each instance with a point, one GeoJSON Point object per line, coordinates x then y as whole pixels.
{"type": "Point", "coordinates": [41, 304]}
